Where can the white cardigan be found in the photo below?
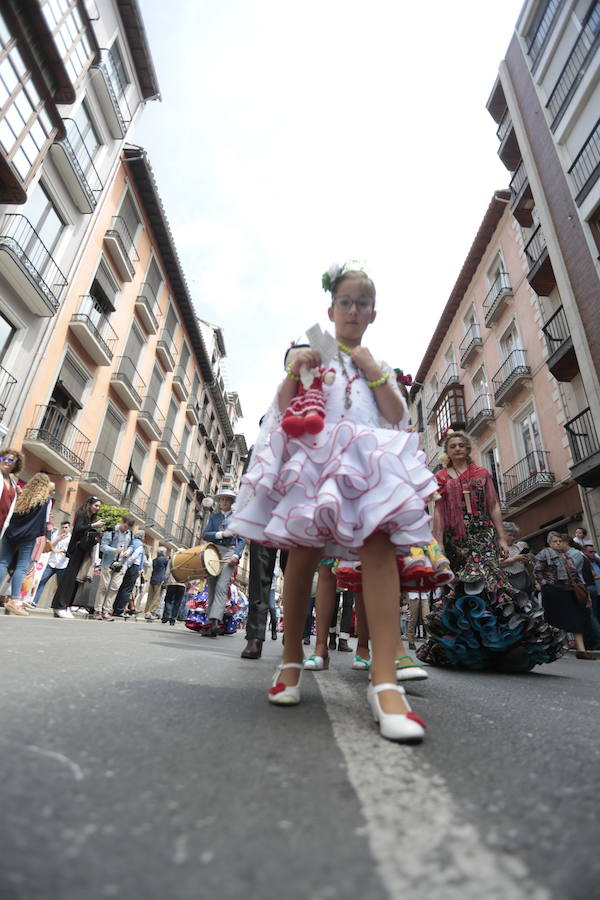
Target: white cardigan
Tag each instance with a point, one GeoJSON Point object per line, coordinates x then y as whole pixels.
{"type": "Point", "coordinates": [12, 506]}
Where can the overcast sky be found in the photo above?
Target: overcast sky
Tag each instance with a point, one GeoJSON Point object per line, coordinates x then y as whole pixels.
{"type": "Point", "coordinates": [294, 135]}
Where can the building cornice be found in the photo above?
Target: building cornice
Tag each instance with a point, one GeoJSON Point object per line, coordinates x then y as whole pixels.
{"type": "Point", "coordinates": [137, 40]}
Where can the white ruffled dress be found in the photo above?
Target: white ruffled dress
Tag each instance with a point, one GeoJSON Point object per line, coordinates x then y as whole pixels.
{"type": "Point", "coordinates": [332, 490]}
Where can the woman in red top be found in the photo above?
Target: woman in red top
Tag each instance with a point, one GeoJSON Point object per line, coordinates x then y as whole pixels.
{"type": "Point", "coordinates": [484, 623]}
{"type": "Point", "coordinates": [11, 463]}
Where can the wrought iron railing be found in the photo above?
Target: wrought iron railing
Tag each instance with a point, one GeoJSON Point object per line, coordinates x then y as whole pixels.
{"type": "Point", "coordinates": [135, 500]}
{"type": "Point", "coordinates": [517, 182]}
{"type": "Point", "coordinates": [450, 375]}
{"type": "Point", "coordinates": [529, 473]}
{"type": "Point", "coordinates": [152, 413]}
{"type": "Point", "coordinates": [91, 314]}
{"type": "Point", "coordinates": [126, 372]}
{"type": "Point", "coordinates": [53, 428]}
{"type": "Point", "coordinates": [471, 339]}
{"type": "Point", "coordinates": [101, 470]}
{"type": "Point", "coordinates": [583, 439]}
{"type": "Point", "coordinates": [155, 516]}
{"type": "Point", "coordinates": [537, 38]}
{"type": "Point", "coordinates": [585, 170]}
{"type": "Point", "coordinates": [499, 288]}
{"type": "Point", "coordinates": [18, 235]}
{"type": "Point", "coordinates": [121, 233]}
{"type": "Point", "coordinates": [535, 246]}
{"type": "Point", "coordinates": [574, 69]}
{"type": "Point", "coordinates": [180, 375]}
{"type": "Point", "coordinates": [504, 126]}
{"type": "Point", "coordinates": [7, 383]}
{"type": "Point", "coordinates": [556, 330]}
{"type": "Point", "coordinates": [169, 441]}
{"type": "Point", "coordinates": [150, 301]}
{"type": "Point", "coordinates": [481, 408]}
{"type": "Point", "coordinates": [513, 366]}
{"type": "Point", "coordinates": [116, 88]}
{"type": "Point", "coordinates": [81, 161]}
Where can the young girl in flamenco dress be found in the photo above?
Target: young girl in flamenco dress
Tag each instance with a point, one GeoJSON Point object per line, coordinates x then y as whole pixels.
{"type": "Point", "coordinates": [356, 489]}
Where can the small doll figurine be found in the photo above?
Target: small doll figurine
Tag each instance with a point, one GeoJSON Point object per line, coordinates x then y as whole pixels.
{"type": "Point", "coordinates": [306, 412]}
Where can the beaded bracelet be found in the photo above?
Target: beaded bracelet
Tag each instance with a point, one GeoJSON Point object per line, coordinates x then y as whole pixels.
{"type": "Point", "coordinates": [290, 374]}
{"type": "Point", "coordinates": [378, 382]}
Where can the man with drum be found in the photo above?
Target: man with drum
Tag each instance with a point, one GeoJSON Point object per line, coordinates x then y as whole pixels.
{"type": "Point", "coordinates": [230, 548]}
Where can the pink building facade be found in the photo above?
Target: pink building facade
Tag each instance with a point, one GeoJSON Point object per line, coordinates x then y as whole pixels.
{"type": "Point", "coordinates": [485, 371]}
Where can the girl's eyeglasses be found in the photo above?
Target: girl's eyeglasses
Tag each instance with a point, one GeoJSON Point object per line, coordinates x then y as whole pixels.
{"type": "Point", "coordinates": [346, 303]}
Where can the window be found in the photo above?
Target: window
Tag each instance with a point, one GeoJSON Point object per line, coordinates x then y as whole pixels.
{"type": "Point", "coordinates": [470, 318]}
{"type": "Point", "coordinates": [117, 70]}
{"type": "Point", "coordinates": [43, 216]}
{"type": "Point", "coordinates": [157, 483]}
{"type": "Point", "coordinates": [71, 384]}
{"type": "Point", "coordinates": [542, 27]}
{"type": "Point", "coordinates": [172, 504]}
{"type": "Point", "coordinates": [134, 345]}
{"type": "Point", "coordinates": [185, 439]}
{"type": "Point", "coordinates": [130, 215]}
{"type": "Point", "coordinates": [529, 434]}
{"type": "Point", "coordinates": [480, 383]}
{"type": "Point", "coordinates": [25, 127]}
{"type": "Point", "coordinates": [104, 288]}
{"type": "Point", "coordinates": [7, 331]}
{"type": "Point", "coordinates": [509, 341]}
{"type": "Point", "coordinates": [70, 35]}
{"type": "Point", "coordinates": [154, 277]}
{"type": "Point", "coordinates": [184, 358]}
{"type": "Point", "coordinates": [171, 322]}
{"type": "Point", "coordinates": [491, 461]}
{"type": "Point", "coordinates": [108, 441]}
{"type": "Point", "coordinates": [138, 458]}
{"type": "Point", "coordinates": [86, 135]}
{"type": "Point", "coordinates": [156, 381]}
{"type": "Point", "coordinates": [171, 415]}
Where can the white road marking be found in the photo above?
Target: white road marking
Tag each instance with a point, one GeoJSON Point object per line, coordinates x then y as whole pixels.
{"type": "Point", "coordinates": [417, 834]}
{"type": "Point", "coordinates": [76, 770]}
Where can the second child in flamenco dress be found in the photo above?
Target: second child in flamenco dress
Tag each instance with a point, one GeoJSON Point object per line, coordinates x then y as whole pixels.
{"type": "Point", "coordinates": [356, 489]}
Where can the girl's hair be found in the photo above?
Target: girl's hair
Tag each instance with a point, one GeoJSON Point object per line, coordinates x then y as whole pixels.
{"type": "Point", "coordinates": [354, 274]}
{"type": "Point", "coordinates": [512, 528]}
{"type": "Point", "coordinates": [18, 466]}
{"type": "Point", "coordinates": [444, 458]}
{"type": "Point", "coordinates": [552, 535]}
{"type": "Point", "coordinates": [33, 494]}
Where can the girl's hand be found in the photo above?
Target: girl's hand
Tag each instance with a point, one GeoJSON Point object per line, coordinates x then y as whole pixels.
{"type": "Point", "coordinates": [503, 549]}
{"type": "Point", "coordinates": [305, 357]}
{"type": "Point", "coordinates": [362, 357]}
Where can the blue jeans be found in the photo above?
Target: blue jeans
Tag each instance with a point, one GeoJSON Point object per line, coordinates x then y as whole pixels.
{"type": "Point", "coordinates": [47, 574]}
{"type": "Point", "coordinates": [173, 599]}
{"type": "Point", "coordinates": [21, 553]}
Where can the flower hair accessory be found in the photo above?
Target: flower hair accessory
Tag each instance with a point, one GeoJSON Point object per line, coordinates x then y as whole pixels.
{"type": "Point", "coordinates": [335, 270]}
{"type": "Point", "coordinates": [401, 378]}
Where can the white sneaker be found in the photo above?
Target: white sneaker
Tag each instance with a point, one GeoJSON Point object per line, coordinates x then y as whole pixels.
{"type": "Point", "coordinates": [68, 614]}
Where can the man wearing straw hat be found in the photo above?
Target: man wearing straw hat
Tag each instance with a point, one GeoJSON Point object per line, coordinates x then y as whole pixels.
{"type": "Point", "coordinates": [230, 548]}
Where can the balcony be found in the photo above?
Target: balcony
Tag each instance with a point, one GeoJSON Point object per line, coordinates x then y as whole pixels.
{"type": "Point", "coordinates": [430, 407]}
{"type": "Point", "coordinates": [155, 521]}
{"type": "Point", "coordinates": [165, 351]}
{"type": "Point", "coordinates": [7, 383]}
{"type": "Point", "coordinates": [480, 414]}
{"type": "Point", "coordinates": [127, 382]}
{"type": "Point", "coordinates": [110, 91]}
{"type": "Point", "coordinates": [522, 203]}
{"type": "Point", "coordinates": [76, 166]}
{"type": "Point", "coordinates": [510, 377]}
{"type": "Point", "coordinates": [29, 266]}
{"type": "Point", "coordinates": [538, 38]}
{"type": "Point", "coordinates": [150, 420]}
{"type": "Point", "coordinates": [211, 440]}
{"type": "Point", "coordinates": [508, 151]}
{"type": "Point", "coordinates": [103, 479]}
{"type": "Point", "coordinates": [183, 467]}
{"type": "Point", "coordinates": [192, 411]}
{"type": "Point", "coordinates": [577, 64]}
{"type": "Point", "coordinates": [205, 424]}
{"type": "Point", "coordinates": [185, 537]}
{"type": "Point", "coordinates": [450, 376]}
{"type": "Point", "coordinates": [146, 306]}
{"type": "Point", "coordinates": [470, 344]}
{"type": "Point", "coordinates": [585, 449]}
{"type": "Point", "coordinates": [54, 439]}
{"type": "Point", "coordinates": [496, 298]}
{"type": "Point", "coordinates": [93, 331]}
{"type": "Point", "coordinates": [168, 447]}
{"type": "Point", "coordinates": [450, 410]}
{"type": "Point", "coordinates": [540, 273]}
{"type": "Point", "coordinates": [528, 477]}
{"type": "Point", "coordinates": [135, 500]}
{"type": "Point", "coordinates": [585, 170]}
{"type": "Point", "coordinates": [181, 384]}
{"type": "Point", "coordinates": [119, 243]}
{"type": "Point", "coordinates": [562, 360]}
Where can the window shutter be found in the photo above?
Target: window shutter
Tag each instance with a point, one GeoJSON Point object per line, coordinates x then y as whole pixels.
{"type": "Point", "coordinates": [73, 381]}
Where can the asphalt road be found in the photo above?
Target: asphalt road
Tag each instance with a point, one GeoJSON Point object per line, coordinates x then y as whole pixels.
{"type": "Point", "coordinates": [142, 761]}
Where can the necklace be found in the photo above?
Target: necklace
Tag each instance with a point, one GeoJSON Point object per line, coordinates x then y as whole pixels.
{"type": "Point", "coordinates": [350, 379]}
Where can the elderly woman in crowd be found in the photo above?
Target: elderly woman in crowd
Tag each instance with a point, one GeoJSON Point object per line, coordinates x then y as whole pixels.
{"type": "Point", "coordinates": [556, 572]}
{"type": "Point", "coordinates": [516, 562]}
{"type": "Point", "coordinates": [28, 522]}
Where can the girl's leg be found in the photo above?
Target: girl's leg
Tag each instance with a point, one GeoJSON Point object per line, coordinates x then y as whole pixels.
{"type": "Point", "coordinates": [325, 605]}
{"type": "Point", "coordinates": [297, 583]}
{"type": "Point", "coordinates": [381, 590]}
{"type": "Point", "coordinates": [24, 551]}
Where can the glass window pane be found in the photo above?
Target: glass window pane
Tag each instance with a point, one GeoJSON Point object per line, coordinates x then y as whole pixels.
{"type": "Point", "coordinates": [21, 164]}
{"type": "Point", "coordinates": [7, 331]}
